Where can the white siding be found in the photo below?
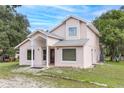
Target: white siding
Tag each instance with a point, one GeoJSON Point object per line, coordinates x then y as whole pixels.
{"type": "Point", "coordinates": [91, 49]}
{"type": "Point", "coordinates": [23, 54]}
{"type": "Point", "coordinates": [60, 31]}
{"type": "Point", "coordinates": [61, 63]}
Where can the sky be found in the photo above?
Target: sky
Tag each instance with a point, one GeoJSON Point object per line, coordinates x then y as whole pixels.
{"type": "Point", "coordinates": [47, 16]}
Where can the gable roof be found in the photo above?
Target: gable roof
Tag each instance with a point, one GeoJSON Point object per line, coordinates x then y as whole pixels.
{"type": "Point", "coordinates": [40, 31]}
{"type": "Point", "coordinates": [89, 24]}
{"type": "Point", "coordinates": [45, 33]}
{"type": "Point", "coordinates": [79, 42]}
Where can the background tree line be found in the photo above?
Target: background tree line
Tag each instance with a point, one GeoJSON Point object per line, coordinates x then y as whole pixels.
{"type": "Point", "coordinates": [13, 29]}
{"type": "Point", "coordinates": [111, 27]}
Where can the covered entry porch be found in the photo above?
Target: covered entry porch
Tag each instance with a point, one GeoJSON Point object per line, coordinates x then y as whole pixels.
{"type": "Point", "coordinates": [42, 50]}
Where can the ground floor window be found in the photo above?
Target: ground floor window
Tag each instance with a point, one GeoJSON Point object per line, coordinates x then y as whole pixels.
{"type": "Point", "coordinates": [44, 54]}
{"type": "Point", "coordinates": [29, 54]}
{"type": "Point", "coordinates": [69, 54]}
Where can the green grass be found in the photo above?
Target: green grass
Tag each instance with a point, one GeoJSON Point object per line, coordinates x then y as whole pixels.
{"type": "Point", "coordinates": [5, 69]}
{"type": "Point", "coordinates": [6, 72]}
{"type": "Point", "coordinates": [62, 83]}
{"type": "Point", "coordinates": [55, 81]}
{"type": "Point", "coordinates": [110, 73]}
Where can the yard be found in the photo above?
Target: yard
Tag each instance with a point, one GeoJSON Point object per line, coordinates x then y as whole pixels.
{"type": "Point", "coordinates": [107, 75]}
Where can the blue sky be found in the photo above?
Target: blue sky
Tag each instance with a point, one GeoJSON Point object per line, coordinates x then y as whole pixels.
{"type": "Point", "coordinates": [46, 17]}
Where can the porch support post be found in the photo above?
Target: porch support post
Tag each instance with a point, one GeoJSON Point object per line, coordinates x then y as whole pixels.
{"type": "Point", "coordinates": [32, 53]}
{"type": "Point", "coordinates": [47, 53]}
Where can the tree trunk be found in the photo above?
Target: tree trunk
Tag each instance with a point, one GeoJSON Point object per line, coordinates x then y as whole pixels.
{"type": "Point", "coordinates": [112, 53]}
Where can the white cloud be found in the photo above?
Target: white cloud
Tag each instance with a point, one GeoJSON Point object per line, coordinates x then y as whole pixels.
{"type": "Point", "coordinates": [40, 23]}
{"type": "Point", "coordinates": [65, 8]}
{"type": "Point", "coordinates": [52, 16]}
{"type": "Point", "coordinates": [37, 20]}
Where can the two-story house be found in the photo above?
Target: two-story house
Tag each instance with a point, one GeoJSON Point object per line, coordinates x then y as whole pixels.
{"type": "Point", "coordinates": [72, 43]}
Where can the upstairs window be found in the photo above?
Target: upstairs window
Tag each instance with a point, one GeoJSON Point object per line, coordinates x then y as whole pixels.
{"type": "Point", "coordinates": [72, 31]}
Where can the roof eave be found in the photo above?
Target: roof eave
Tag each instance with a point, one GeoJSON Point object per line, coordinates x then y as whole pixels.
{"type": "Point", "coordinates": [44, 34]}
{"type": "Point", "coordinates": [96, 32]}
{"type": "Point", "coordinates": [21, 43]}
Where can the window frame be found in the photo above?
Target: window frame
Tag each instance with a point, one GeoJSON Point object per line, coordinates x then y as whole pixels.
{"type": "Point", "coordinates": [30, 54]}
{"type": "Point", "coordinates": [43, 55]}
{"type": "Point", "coordinates": [69, 33]}
{"type": "Point", "coordinates": [69, 49]}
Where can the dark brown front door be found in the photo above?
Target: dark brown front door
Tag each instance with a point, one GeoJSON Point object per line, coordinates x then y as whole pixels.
{"type": "Point", "coordinates": [52, 56]}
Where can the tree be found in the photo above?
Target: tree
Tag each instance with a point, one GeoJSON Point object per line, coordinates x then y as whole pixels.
{"type": "Point", "coordinates": [111, 27]}
{"type": "Point", "coordinates": [122, 8]}
{"type": "Point", "coordinates": [13, 28]}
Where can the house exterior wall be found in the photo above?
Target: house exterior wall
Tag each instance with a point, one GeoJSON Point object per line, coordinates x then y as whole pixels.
{"type": "Point", "coordinates": [60, 31]}
{"type": "Point", "coordinates": [51, 41]}
{"type": "Point", "coordinates": [79, 57]}
{"type": "Point", "coordinates": [91, 49]}
{"type": "Point", "coordinates": [87, 57]}
{"type": "Point", "coordinates": [83, 30]}
{"type": "Point", "coordinates": [23, 54]}
{"type": "Point", "coordinates": [37, 54]}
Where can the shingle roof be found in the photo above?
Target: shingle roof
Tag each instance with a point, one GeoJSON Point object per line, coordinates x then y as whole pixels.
{"type": "Point", "coordinates": [45, 33]}
{"type": "Point", "coordinates": [79, 42]}
{"type": "Point", "coordinates": [93, 28]}
{"type": "Point", "coordinates": [89, 24]}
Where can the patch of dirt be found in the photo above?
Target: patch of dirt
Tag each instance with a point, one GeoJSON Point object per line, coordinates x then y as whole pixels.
{"type": "Point", "coordinates": [20, 82]}
{"type": "Point", "coordinates": [28, 70]}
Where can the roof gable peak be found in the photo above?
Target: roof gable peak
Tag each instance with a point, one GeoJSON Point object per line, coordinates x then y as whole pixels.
{"type": "Point", "coordinates": [67, 18]}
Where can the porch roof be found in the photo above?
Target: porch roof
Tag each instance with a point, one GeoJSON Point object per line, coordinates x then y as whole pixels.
{"type": "Point", "coordinates": [38, 31]}
{"type": "Point", "coordinates": [45, 33]}
{"type": "Point", "coordinates": [80, 42]}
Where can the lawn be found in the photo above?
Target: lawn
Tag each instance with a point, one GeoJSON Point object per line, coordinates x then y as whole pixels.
{"type": "Point", "coordinates": [26, 79]}
{"type": "Point", "coordinates": [110, 74]}
{"type": "Point", "coordinates": [5, 69]}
